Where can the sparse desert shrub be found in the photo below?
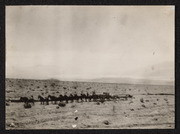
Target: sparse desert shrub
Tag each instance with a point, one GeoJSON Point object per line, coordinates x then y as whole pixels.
{"type": "Point", "coordinates": [155, 119]}
{"type": "Point", "coordinates": [97, 103]}
{"type": "Point", "coordinates": [142, 100]}
{"type": "Point", "coordinates": [57, 107]}
{"type": "Point", "coordinates": [76, 118]}
{"type": "Point", "coordinates": [9, 91]}
{"type": "Point", "coordinates": [53, 85]}
{"type": "Point", "coordinates": [106, 122]}
{"type": "Point", "coordinates": [73, 106]}
{"type": "Point", "coordinates": [143, 105]}
{"type": "Point", "coordinates": [88, 88]}
{"type": "Point", "coordinates": [102, 100]}
{"type": "Point", "coordinates": [27, 105]}
{"type": "Point", "coordinates": [7, 104]}
{"type": "Point", "coordinates": [62, 104]}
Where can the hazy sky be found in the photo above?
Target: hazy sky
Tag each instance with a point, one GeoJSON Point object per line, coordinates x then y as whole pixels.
{"type": "Point", "coordinates": [90, 41]}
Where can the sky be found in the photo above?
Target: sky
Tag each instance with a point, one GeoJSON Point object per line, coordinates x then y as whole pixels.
{"type": "Point", "coordinates": [86, 42]}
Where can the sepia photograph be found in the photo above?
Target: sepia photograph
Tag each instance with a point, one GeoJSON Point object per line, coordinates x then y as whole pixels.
{"type": "Point", "coordinates": [90, 67]}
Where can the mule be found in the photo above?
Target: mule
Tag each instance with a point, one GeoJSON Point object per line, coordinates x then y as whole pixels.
{"type": "Point", "coordinates": [24, 99]}
{"type": "Point", "coordinates": [43, 100]}
{"type": "Point", "coordinates": [89, 97]}
{"type": "Point", "coordinates": [83, 97]}
{"type": "Point", "coordinates": [76, 97]}
{"type": "Point", "coordinates": [53, 98]}
{"type": "Point", "coordinates": [65, 98]}
{"type": "Point", "coordinates": [61, 98]}
{"type": "Point", "coordinates": [95, 97]}
{"type": "Point", "coordinates": [31, 100]}
{"type": "Point", "coordinates": [71, 97]}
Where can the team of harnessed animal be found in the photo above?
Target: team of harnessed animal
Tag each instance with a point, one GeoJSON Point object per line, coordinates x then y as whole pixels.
{"type": "Point", "coordinates": [75, 97]}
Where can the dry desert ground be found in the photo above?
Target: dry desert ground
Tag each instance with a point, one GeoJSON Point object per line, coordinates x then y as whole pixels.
{"type": "Point", "coordinates": [152, 106]}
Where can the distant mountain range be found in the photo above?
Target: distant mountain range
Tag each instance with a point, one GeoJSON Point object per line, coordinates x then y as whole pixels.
{"type": "Point", "coordinates": [157, 74]}
{"type": "Point", "coordinates": [125, 81]}
{"type": "Point", "coordinates": [114, 80]}
{"type": "Point", "coordinates": [134, 81]}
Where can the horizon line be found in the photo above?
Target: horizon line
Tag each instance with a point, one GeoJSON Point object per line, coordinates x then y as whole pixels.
{"type": "Point", "coordinates": [125, 83]}
{"type": "Point", "coordinates": [137, 78]}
